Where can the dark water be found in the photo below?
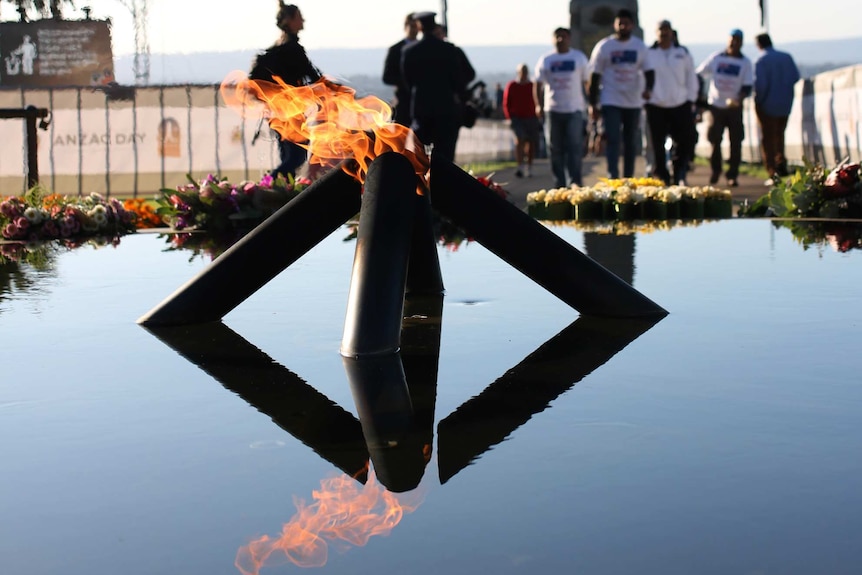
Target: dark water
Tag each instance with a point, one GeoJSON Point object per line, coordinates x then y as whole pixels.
{"type": "Point", "coordinates": [726, 438]}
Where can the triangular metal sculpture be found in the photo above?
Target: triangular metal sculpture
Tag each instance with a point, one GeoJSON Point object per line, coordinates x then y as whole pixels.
{"type": "Point", "coordinates": [396, 269]}
{"type": "Point", "coordinates": [396, 253]}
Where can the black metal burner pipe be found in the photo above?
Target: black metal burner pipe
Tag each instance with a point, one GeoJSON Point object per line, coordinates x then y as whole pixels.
{"type": "Point", "coordinates": [423, 271]}
{"type": "Point", "coordinates": [375, 303]}
{"type": "Point", "coordinates": [262, 254]}
{"type": "Point", "coordinates": [532, 249]}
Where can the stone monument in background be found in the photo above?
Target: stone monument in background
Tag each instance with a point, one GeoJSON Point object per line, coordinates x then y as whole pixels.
{"type": "Point", "coordinates": [592, 20]}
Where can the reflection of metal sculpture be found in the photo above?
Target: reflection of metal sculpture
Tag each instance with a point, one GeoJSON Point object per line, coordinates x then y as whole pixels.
{"type": "Point", "coordinates": [274, 390]}
{"type": "Point", "coordinates": [395, 402]}
{"type": "Point", "coordinates": [528, 388]}
{"type": "Point", "coordinates": [395, 394]}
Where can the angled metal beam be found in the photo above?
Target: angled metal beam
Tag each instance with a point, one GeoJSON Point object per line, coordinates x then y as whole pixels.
{"type": "Point", "coordinates": [261, 255]}
{"type": "Point", "coordinates": [532, 249]}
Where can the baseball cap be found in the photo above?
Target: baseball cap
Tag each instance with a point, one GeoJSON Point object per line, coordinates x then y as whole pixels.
{"type": "Point", "coordinates": [425, 16]}
{"type": "Point", "coordinates": [736, 32]}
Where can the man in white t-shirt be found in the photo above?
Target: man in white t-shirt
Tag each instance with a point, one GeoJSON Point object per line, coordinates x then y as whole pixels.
{"type": "Point", "coordinates": [730, 79]}
{"type": "Point", "coordinates": [670, 108]}
{"type": "Point", "coordinates": [618, 63]}
{"type": "Point", "coordinates": [562, 75]}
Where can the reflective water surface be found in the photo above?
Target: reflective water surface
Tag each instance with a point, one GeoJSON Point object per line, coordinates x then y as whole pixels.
{"type": "Point", "coordinates": [510, 436]}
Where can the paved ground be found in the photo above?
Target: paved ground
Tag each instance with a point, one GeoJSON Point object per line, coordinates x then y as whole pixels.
{"type": "Point", "coordinates": [749, 188]}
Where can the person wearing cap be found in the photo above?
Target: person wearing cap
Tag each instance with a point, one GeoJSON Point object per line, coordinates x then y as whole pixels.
{"type": "Point", "coordinates": [392, 71]}
{"type": "Point", "coordinates": [730, 78]}
{"type": "Point", "coordinates": [437, 74]}
{"type": "Point", "coordinates": [562, 76]}
{"type": "Point", "coordinates": [619, 65]}
{"type": "Point", "coordinates": [287, 60]}
{"type": "Point", "coordinates": [775, 75]}
{"type": "Point", "coordinates": [669, 110]}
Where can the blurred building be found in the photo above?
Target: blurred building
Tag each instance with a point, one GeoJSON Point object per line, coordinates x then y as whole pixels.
{"type": "Point", "coordinates": [592, 20]}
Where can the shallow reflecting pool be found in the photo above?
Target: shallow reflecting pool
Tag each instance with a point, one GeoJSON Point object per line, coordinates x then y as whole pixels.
{"type": "Point", "coordinates": [723, 439]}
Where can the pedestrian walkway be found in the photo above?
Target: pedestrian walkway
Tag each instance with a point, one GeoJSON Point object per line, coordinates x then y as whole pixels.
{"type": "Point", "coordinates": [750, 188]}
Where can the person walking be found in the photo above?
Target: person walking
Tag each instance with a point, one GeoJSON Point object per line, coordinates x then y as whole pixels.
{"type": "Point", "coordinates": [561, 78]}
{"type": "Point", "coordinates": [730, 78]}
{"type": "Point", "coordinates": [437, 74]}
{"type": "Point", "coordinates": [775, 75]}
{"type": "Point", "coordinates": [392, 71]}
{"type": "Point", "coordinates": [519, 107]}
{"type": "Point", "coordinates": [618, 63]}
{"type": "Point", "coordinates": [670, 109]}
{"type": "Point", "coordinates": [287, 60]}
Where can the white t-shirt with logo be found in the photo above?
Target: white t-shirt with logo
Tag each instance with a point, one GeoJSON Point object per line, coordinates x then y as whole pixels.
{"type": "Point", "coordinates": [727, 74]}
{"type": "Point", "coordinates": [564, 76]}
{"type": "Point", "coordinates": [621, 64]}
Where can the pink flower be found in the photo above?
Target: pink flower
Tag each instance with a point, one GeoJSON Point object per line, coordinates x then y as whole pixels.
{"type": "Point", "coordinates": [22, 223]}
{"type": "Point", "coordinates": [10, 231]}
{"type": "Point", "coordinates": [50, 229]}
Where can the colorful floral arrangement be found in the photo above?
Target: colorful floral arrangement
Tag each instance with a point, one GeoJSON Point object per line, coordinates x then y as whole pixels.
{"type": "Point", "coordinates": [39, 216]}
{"type": "Point", "coordinates": [812, 192]}
{"type": "Point", "coordinates": [145, 213]}
{"type": "Point", "coordinates": [630, 199]}
{"type": "Point", "coordinates": [214, 204]}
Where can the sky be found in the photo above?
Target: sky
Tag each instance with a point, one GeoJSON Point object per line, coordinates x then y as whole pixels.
{"type": "Point", "coordinates": [184, 26]}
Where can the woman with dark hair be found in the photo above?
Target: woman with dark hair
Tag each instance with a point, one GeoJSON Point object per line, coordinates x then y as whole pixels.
{"type": "Point", "coordinates": [286, 59]}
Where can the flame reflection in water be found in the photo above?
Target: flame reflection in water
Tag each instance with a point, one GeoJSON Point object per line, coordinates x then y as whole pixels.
{"type": "Point", "coordinates": [343, 512]}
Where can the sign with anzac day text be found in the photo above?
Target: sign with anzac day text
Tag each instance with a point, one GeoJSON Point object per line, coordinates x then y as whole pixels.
{"type": "Point", "coordinates": [53, 53]}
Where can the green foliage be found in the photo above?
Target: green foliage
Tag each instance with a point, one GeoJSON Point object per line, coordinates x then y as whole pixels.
{"type": "Point", "coordinates": [810, 193]}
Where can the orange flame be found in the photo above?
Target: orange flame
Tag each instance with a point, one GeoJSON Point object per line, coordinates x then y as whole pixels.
{"type": "Point", "coordinates": [328, 120]}
{"type": "Point", "coordinates": [343, 511]}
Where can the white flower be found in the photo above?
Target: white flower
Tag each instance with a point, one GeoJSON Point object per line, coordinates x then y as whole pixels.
{"type": "Point", "coordinates": [33, 215]}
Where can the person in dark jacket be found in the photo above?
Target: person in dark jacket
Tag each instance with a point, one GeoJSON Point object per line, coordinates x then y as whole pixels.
{"type": "Point", "coordinates": [392, 71]}
{"type": "Point", "coordinates": [287, 60]}
{"type": "Point", "coordinates": [437, 74]}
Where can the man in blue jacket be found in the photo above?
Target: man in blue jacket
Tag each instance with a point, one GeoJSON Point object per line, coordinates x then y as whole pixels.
{"type": "Point", "coordinates": [775, 75]}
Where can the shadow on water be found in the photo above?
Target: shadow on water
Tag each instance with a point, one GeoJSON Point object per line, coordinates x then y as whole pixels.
{"type": "Point", "coordinates": [274, 390]}
{"type": "Point", "coordinates": [529, 387]}
{"type": "Point", "coordinates": [395, 395]}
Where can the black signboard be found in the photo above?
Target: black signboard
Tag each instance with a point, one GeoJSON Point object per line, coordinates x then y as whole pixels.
{"type": "Point", "coordinates": [55, 53]}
